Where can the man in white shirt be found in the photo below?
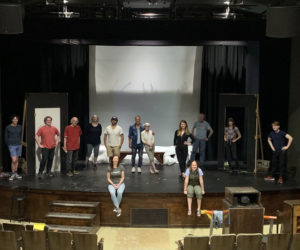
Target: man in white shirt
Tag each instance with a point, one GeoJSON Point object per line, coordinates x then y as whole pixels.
{"type": "Point", "coordinates": [113, 138]}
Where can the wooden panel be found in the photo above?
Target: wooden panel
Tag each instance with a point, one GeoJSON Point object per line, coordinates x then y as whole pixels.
{"type": "Point", "coordinates": [278, 242]}
{"type": "Point", "coordinates": [224, 242]}
{"type": "Point", "coordinates": [59, 240]}
{"type": "Point", "coordinates": [249, 242]}
{"type": "Point", "coordinates": [234, 193]}
{"type": "Point", "coordinates": [8, 240]}
{"type": "Point", "coordinates": [34, 240]}
{"type": "Point", "coordinates": [295, 242]}
{"type": "Point", "coordinates": [84, 241]}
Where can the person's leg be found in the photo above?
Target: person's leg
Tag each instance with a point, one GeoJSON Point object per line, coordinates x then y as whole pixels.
{"type": "Point", "coordinates": [133, 155]}
{"type": "Point", "coordinates": [89, 149]}
{"type": "Point", "coordinates": [195, 149]}
{"type": "Point", "coordinates": [120, 193]}
{"type": "Point", "coordinates": [69, 161]}
{"type": "Point", "coordinates": [74, 160]}
{"type": "Point", "coordinates": [274, 163]}
{"type": "Point", "coordinates": [96, 153]}
{"type": "Point", "coordinates": [184, 157]}
{"type": "Point", "coordinates": [202, 150]}
{"type": "Point", "coordinates": [190, 194]}
{"type": "Point", "coordinates": [140, 154]}
{"type": "Point", "coordinates": [281, 157]}
{"type": "Point", "coordinates": [112, 192]}
{"type": "Point", "coordinates": [45, 153]}
{"type": "Point", "coordinates": [50, 160]}
{"type": "Point", "coordinates": [234, 154]}
{"type": "Point", "coordinates": [198, 193]}
{"type": "Point", "coordinates": [179, 154]}
{"type": "Point", "coordinates": [228, 153]}
{"type": "Point", "coordinates": [147, 149]}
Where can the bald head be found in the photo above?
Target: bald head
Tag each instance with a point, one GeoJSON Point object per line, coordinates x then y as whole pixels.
{"type": "Point", "coordinates": [74, 121]}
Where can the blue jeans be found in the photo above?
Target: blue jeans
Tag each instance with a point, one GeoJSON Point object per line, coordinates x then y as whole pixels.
{"type": "Point", "coordinates": [116, 195]}
{"type": "Point", "coordinates": [137, 149]}
{"type": "Point", "coordinates": [199, 143]}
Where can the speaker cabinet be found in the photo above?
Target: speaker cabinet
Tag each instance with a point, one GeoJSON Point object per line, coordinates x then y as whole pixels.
{"type": "Point", "coordinates": [283, 21]}
{"type": "Point", "coordinates": [11, 18]}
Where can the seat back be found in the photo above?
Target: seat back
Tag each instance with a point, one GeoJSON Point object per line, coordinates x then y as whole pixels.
{"type": "Point", "coordinates": [224, 242]}
{"type": "Point", "coordinates": [84, 241]}
{"type": "Point", "coordinates": [60, 240]}
{"type": "Point", "coordinates": [34, 240]}
{"type": "Point", "coordinates": [17, 228]}
{"type": "Point", "coordinates": [29, 227]}
{"type": "Point", "coordinates": [8, 240]}
{"type": "Point", "coordinates": [249, 241]}
{"type": "Point", "coordinates": [196, 243]}
{"type": "Point", "coordinates": [295, 244]}
{"type": "Point", "coordinates": [278, 241]}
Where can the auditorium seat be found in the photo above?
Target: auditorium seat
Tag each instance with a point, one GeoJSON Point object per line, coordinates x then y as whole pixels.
{"type": "Point", "coordinates": [84, 241]}
{"type": "Point", "coordinates": [8, 240]}
{"type": "Point", "coordinates": [196, 242]}
{"type": "Point", "coordinates": [278, 241]}
{"type": "Point", "coordinates": [249, 241]}
{"type": "Point", "coordinates": [34, 240]}
{"type": "Point", "coordinates": [224, 242]}
{"type": "Point", "coordinates": [295, 244]}
{"type": "Point", "coordinates": [60, 240]}
{"type": "Point", "coordinates": [17, 228]}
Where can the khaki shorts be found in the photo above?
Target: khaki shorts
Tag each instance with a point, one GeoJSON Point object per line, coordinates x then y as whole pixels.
{"type": "Point", "coordinates": [191, 190]}
{"type": "Point", "coordinates": [113, 151]}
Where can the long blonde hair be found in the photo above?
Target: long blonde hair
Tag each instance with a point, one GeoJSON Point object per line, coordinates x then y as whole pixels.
{"type": "Point", "coordinates": [187, 132]}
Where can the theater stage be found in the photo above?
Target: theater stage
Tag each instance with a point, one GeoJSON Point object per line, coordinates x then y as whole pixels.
{"type": "Point", "coordinates": [163, 190]}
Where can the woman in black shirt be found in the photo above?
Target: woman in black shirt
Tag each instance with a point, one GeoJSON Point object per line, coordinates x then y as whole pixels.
{"type": "Point", "coordinates": [93, 139]}
{"type": "Point", "coordinates": [181, 145]}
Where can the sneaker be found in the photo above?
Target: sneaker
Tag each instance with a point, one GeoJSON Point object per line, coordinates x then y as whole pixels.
{"type": "Point", "coordinates": [50, 174]}
{"type": "Point", "coordinates": [189, 212]}
{"type": "Point", "coordinates": [198, 213]}
{"type": "Point", "coordinates": [70, 174]}
{"type": "Point", "coordinates": [75, 172]}
{"type": "Point", "coordinates": [280, 181]}
{"type": "Point", "coordinates": [139, 170]}
{"type": "Point", "coordinates": [269, 178]}
{"type": "Point", "coordinates": [19, 177]}
{"type": "Point", "coordinates": [119, 212]}
{"type": "Point", "coordinates": [94, 165]}
{"type": "Point", "coordinates": [133, 170]}
{"type": "Point", "coordinates": [115, 210]}
{"type": "Point", "coordinates": [40, 175]}
{"type": "Point", "coordinates": [12, 177]}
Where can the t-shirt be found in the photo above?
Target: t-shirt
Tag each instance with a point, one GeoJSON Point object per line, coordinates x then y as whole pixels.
{"type": "Point", "coordinates": [187, 172]}
{"type": "Point", "coordinates": [201, 129]}
{"type": "Point", "coordinates": [113, 135]}
{"type": "Point", "coordinates": [47, 135]}
{"type": "Point", "coordinates": [73, 134]}
{"type": "Point", "coordinates": [147, 137]}
{"type": "Point", "coordinates": [12, 135]}
{"type": "Point", "coordinates": [278, 140]}
{"type": "Point", "coordinates": [115, 173]}
{"type": "Point", "coordinates": [93, 134]}
{"type": "Point", "coordinates": [231, 133]}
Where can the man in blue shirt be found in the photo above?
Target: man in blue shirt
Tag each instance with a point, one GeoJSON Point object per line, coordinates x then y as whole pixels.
{"type": "Point", "coordinates": [277, 141]}
{"type": "Point", "coordinates": [200, 129]}
{"type": "Point", "coordinates": [136, 144]}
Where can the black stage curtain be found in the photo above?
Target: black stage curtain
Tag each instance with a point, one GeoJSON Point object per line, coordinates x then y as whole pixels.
{"type": "Point", "coordinates": [223, 71]}
{"type": "Point", "coordinates": [44, 68]}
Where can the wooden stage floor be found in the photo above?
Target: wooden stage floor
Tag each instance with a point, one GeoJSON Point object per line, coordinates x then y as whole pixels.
{"type": "Point", "coordinates": [145, 190]}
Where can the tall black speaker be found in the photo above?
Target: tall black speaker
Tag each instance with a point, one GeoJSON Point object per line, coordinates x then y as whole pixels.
{"type": "Point", "coordinates": [283, 21]}
{"type": "Point", "coordinates": [11, 18]}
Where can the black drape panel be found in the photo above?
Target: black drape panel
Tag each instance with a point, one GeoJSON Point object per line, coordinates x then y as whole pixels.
{"type": "Point", "coordinates": [223, 71]}
{"type": "Point", "coordinates": [44, 68]}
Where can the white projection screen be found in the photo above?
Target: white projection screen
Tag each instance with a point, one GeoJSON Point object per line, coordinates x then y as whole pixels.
{"type": "Point", "coordinates": [159, 83]}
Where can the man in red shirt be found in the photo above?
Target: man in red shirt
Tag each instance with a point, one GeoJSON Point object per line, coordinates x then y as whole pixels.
{"type": "Point", "coordinates": [47, 144]}
{"type": "Point", "coordinates": [72, 144]}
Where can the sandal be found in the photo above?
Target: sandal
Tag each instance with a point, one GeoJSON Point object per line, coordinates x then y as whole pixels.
{"type": "Point", "coordinates": [198, 213]}
{"type": "Point", "coordinates": [189, 212]}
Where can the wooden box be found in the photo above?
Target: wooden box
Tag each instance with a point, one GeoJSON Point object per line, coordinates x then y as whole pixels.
{"type": "Point", "coordinates": [233, 195]}
{"type": "Point", "coordinates": [290, 216]}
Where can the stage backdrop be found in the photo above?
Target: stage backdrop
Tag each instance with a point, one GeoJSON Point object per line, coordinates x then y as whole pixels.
{"type": "Point", "coordinates": [162, 84]}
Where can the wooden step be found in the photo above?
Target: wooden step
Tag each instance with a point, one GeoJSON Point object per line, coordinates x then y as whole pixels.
{"type": "Point", "coordinates": [64, 228]}
{"type": "Point", "coordinates": [75, 203]}
{"type": "Point", "coordinates": [71, 219]}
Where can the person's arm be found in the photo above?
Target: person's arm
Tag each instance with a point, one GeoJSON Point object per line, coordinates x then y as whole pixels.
{"type": "Point", "coordinates": [57, 137]}
{"type": "Point", "coordinates": [108, 178]}
{"type": "Point", "coordinates": [202, 183]}
{"type": "Point", "coordinates": [225, 136]}
{"type": "Point", "coordinates": [175, 137]}
{"type": "Point", "coordinates": [130, 137]}
{"type": "Point", "coordinates": [152, 140]}
{"type": "Point", "coordinates": [186, 182]}
{"type": "Point", "coordinates": [65, 144]}
{"type": "Point", "coordinates": [37, 140]}
{"type": "Point", "coordinates": [210, 133]}
{"type": "Point", "coordinates": [105, 137]}
{"type": "Point", "coordinates": [143, 139]}
{"type": "Point", "coordinates": [122, 140]}
{"type": "Point", "coordinates": [290, 139]}
{"type": "Point", "coordinates": [238, 137]}
{"type": "Point", "coordinates": [271, 144]}
{"type": "Point", "coordinates": [122, 179]}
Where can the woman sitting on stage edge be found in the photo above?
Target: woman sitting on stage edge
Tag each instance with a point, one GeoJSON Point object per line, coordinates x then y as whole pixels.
{"type": "Point", "coordinates": [115, 177]}
{"type": "Point", "coordinates": [194, 184]}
